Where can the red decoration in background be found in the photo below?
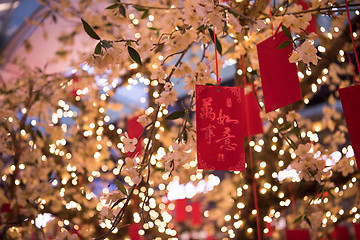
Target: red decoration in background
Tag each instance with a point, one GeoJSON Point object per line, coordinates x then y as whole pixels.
{"type": "Point", "coordinates": [297, 234]}
{"type": "Point", "coordinates": [253, 121]}
{"type": "Point", "coordinates": [312, 27]}
{"type": "Point", "coordinates": [280, 82]}
{"type": "Point", "coordinates": [350, 101]}
{"type": "Point", "coordinates": [357, 231]}
{"type": "Point", "coordinates": [196, 216]}
{"type": "Point", "coordinates": [75, 80]}
{"type": "Point", "coordinates": [220, 144]}
{"type": "Point", "coordinates": [134, 231]}
{"type": "Point", "coordinates": [180, 211]}
{"type": "Point", "coordinates": [271, 230]}
{"type": "Point", "coordinates": [341, 233]}
{"type": "Point", "coordinates": [134, 130]}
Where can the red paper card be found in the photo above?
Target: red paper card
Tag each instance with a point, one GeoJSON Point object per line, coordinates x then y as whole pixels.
{"type": "Point", "coordinates": [220, 144]}
{"type": "Point", "coordinates": [297, 234]}
{"type": "Point", "coordinates": [280, 82]}
{"type": "Point", "coordinates": [357, 230]}
{"type": "Point", "coordinates": [341, 233]}
{"type": "Point", "coordinates": [196, 215]}
{"type": "Point", "coordinates": [250, 114]}
{"type": "Point", "coordinates": [134, 130]}
{"type": "Point", "coordinates": [181, 214]}
{"type": "Point", "coordinates": [350, 101]}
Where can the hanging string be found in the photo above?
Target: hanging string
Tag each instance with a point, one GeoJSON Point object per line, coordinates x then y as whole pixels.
{"type": "Point", "coordinates": [256, 202]}
{"type": "Point", "coordinates": [272, 26]}
{"type": "Point", "coordinates": [218, 80]}
{"type": "Point", "coordinates": [277, 30]}
{"type": "Point", "coordinates": [352, 39]}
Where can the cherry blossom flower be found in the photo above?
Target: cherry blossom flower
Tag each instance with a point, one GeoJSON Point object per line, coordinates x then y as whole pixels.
{"type": "Point", "coordinates": [129, 143]}
{"type": "Point", "coordinates": [344, 166]}
{"type": "Point", "coordinates": [167, 97]}
{"type": "Point", "coordinates": [306, 53]}
{"type": "Point", "coordinates": [292, 116]}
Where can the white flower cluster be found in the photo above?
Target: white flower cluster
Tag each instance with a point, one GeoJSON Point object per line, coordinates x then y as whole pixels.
{"type": "Point", "coordinates": [178, 156]}
{"type": "Point", "coordinates": [308, 167]}
{"type": "Point", "coordinates": [306, 53]}
{"type": "Point", "coordinates": [129, 143]}
{"type": "Point", "coordinates": [168, 96]}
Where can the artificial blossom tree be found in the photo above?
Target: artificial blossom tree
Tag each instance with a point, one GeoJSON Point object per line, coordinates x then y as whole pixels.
{"type": "Point", "coordinates": [65, 152]}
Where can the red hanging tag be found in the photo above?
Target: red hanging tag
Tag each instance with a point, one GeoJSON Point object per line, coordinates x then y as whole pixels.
{"type": "Point", "coordinates": [357, 231]}
{"type": "Point", "coordinates": [180, 210]}
{"type": "Point", "coordinates": [134, 231]}
{"type": "Point", "coordinates": [280, 82]}
{"type": "Point", "coordinates": [350, 100]}
{"type": "Point", "coordinates": [271, 230]}
{"type": "Point", "coordinates": [252, 123]}
{"type": "Point", "coordinates": [297, 234]}
{"type": "Point", "coordinates": [341, 233]}
{"type": "Point", "coordinates": [220, 144]}
{"type": "Point", "coordinates": [196, 214]}
{"type": "Point", "coordinates": [134, 130]}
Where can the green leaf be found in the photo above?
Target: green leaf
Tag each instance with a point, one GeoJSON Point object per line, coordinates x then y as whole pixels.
{"type": "Point", "coordinates": [185, 136]}
{"type": "Point", "coordinates": [298, 219]}
{"type": "Point", "coordinates": [201, 28]}
{"type": "Point", "coordinates": [106, 44]}
{"type": "Point", "coordinates": [307, 220]}
{"type": "Point", "coordinates": [284, 44]}
{"type": "Point", "coordinates": [153, 28]}
{"type": "Point", "coordinates": [294, 131]}
{"type": "Point", "coordinates": [218, 44]}
{"type": "Point", "coordinates": [145, 14]}
{"type": "Point", "coordinates": [122, 10]}
{"type": "Point", "coordinates": [121, 187]}
{"type": "Point", "coordinates": [286, 31]}
{"type": "Point", "coordinates": [286, 127]}
{"type": "Point", "coordinates": [98, 48]}
{"type": "Point", "coordinates": [175, 115]}
{"type": "Point", "coordinates": [117, 202]}
{"type": "Point", "coordinates": [113, 6]}
{"type": "Point", "coordinates": [209, 84]}
{"type": "Point", "coordinates": [330, 193]}
{"type": "Point", "coordinates": [134, 55]}
{"type": "Point", "coordinates": [139, 8]}
{"type": "Point", "coordinates": [89, 30]}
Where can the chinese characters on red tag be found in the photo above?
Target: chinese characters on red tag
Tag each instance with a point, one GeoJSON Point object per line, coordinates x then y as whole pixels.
{"type": "Point", "coordinates": [220, 143]}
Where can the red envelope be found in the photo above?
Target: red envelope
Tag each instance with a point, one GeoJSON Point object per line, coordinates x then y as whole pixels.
{"type": "Point", "coordinates": [220, 144]}
{"type": "Point", "coordinates": [181, 214]}
{"type": "Point", "coordinates": [297, 234]}
{"type": "Point", "coordinates": [196, 214]}
{"type": "Point", "coordinates": [280, 82]}
{"type": "Point", "coordinates": [341, 233]}
{"type": "Point", "coordinates": [357, 230]}
{"type": "Point", "coordinates": [134, 130]}
{"type": "Point", "coordinates": [250, 116]}
{"type": "Point", "coordinates": [350, 101]}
